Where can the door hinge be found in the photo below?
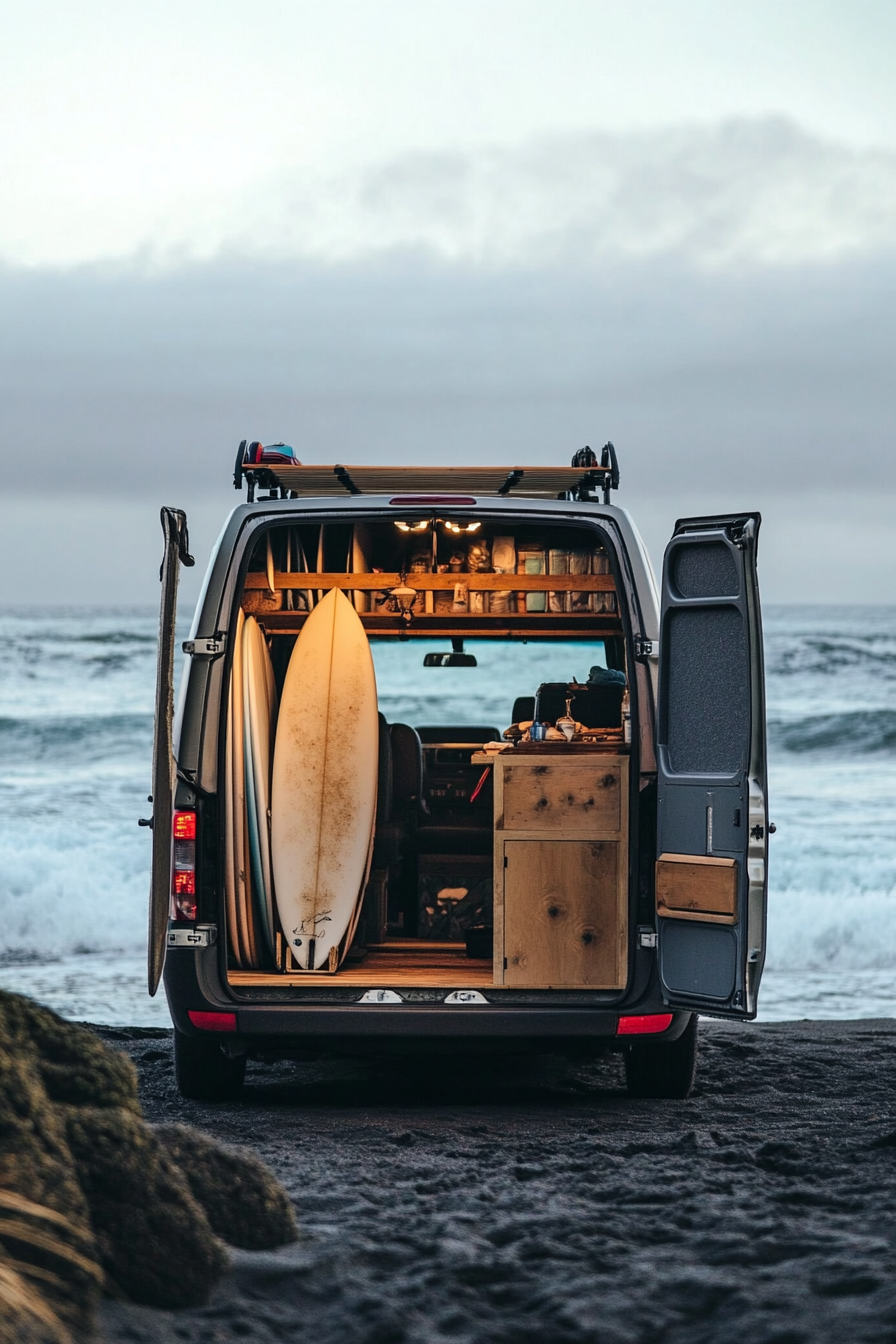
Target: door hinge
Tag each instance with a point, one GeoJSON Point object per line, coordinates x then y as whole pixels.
{"type": "Point", "coordinates": [644, 648]}
{"type": "Point", "coordinates": [647, 938]}
{"type": "Point", "coordinates": [209, 646]}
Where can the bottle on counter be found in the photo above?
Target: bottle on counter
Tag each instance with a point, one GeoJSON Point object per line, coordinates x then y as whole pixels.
{"type": "Point", "coordinates": [626, 716]}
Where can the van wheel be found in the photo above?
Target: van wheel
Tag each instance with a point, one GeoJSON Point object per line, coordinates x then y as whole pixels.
{"type": "Point", "coordinates": [663, 1068]}
{"type": "Point", "coordinates": [204, 1072]}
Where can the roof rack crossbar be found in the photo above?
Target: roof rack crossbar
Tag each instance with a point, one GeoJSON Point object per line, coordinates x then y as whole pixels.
{"type": "Point", "coordinates": [345, 479]}
{"type": "Point", "coordinates": [514, 478]}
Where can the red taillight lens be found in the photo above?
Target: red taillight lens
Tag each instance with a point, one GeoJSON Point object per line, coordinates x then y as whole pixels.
{"type": "Point", "coordinates": [645, 1025]}
{"type": "Point", "coordinates": [213, 1021]}
{"type": "Point", "coordinates": [183, 866]}
{"type": "Point", "coordinates": [184, 883]}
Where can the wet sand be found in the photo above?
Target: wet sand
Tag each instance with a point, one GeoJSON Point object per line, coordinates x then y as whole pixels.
{"type": "Point", "coordinates": [530, 1200]}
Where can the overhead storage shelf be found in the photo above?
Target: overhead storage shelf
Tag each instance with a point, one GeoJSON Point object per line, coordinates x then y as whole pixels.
{"type": "Point", "coordinates": [530, 583]}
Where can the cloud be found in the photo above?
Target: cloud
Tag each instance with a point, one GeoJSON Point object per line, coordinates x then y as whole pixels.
{"type": "Point", "coordinates": [738, 193]}
{"type": "Point", "coordinates": [114, 380]}
{"type": "Point", "coordinates": [742, 192]}
{"type": "Point", "coordinates": [669, 308]}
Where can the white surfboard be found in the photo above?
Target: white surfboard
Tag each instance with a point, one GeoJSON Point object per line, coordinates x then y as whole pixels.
{"type": "Point", "coordinates": [260, 712]}
{"type": "Point", "coordinates": [324, 782]}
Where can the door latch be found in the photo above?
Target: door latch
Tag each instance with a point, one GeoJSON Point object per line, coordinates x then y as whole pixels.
{"type": "Point", "coordinates": [209, 646]}
{"type": "Point", "coordinates": [203, 935]}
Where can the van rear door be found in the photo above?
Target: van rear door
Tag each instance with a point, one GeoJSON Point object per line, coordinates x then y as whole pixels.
{"type": "Point", "coordinates": [176, 552]}
{"type": "Point", "coordinates": [712, 834]}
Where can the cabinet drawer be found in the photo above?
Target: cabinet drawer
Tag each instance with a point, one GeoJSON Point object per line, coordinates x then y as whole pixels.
{"type": "Point", "coordinates": [563, 795]}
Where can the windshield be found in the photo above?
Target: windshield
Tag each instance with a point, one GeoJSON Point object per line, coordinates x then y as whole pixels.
{"type": "Point", "coordinates": [442, 696]}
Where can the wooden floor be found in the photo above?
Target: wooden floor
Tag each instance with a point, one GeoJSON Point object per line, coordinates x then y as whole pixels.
{"type": "Point", "coordinates": [406, 963]}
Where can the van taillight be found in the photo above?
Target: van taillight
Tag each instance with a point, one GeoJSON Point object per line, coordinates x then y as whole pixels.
{"type": "Point", "coordinates": [184, 826]}
{"type": "Point", "coordinates": [183, 866]}
{"type": "Point", "coordinates": [644, 1024]}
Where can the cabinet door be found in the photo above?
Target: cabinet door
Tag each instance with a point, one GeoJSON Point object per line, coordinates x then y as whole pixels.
{"type": "Point", "coordinates": [564, 914]}
{"type": "Point", "coordinates": [164, 769]}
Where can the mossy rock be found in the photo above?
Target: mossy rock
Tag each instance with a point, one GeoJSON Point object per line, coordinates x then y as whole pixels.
{"type": "Point", "coordinates": [243, 1201]}
{"type": "Point", "coordinates": [89, 1193]}
{"type": "Point", "coordinates": [155, 1241]}
{"type": "Point", "coordinates": [74, 1065]}
{"type": "Point", "coordinates": [36, 1165]}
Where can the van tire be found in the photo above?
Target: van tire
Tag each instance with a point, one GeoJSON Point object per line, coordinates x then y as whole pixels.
{"type": "Point", "coordinates": [203, 1071]}
{"type": "Point", "coordinates": [663, 1068]}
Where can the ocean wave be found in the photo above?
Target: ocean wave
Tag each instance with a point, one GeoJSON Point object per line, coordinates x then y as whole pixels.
{"type": "Point", "coordinates": [52, 638]}
{"type": "Point", "coordinates": [857, 733]}
{"type": "Point", "coordinates": [73, 739]}
{"type": "Point", "coordinates": [828, 656]}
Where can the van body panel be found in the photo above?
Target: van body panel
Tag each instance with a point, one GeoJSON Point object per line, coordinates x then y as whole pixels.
{"type": "Point", "coordinates": [198, 979]}
{"type": "Point", "coordinates": [712, 826]}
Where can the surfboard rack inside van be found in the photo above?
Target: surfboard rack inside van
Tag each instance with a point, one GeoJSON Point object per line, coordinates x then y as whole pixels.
{"type": "Point", "coordinates": [586, 480]}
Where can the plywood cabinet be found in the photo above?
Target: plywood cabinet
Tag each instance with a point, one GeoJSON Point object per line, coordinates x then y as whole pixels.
{"type": "Point", "coordinates": [561, 871]}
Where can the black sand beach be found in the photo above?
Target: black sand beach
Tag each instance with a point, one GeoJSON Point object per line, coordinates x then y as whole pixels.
{"type": "Point", "coordinates": [531, 1200]}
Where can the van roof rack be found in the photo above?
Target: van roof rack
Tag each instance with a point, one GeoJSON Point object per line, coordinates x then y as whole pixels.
{"type": "Point", "coordinates": [581, 481]}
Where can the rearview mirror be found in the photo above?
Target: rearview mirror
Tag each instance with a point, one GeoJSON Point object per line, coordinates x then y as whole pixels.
{"type": "Point", "coordinates": [449, 660]}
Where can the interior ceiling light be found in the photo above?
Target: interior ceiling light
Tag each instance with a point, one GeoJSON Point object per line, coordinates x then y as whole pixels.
{"type": "Point", "coordinates": [460, 527]}
{"type": "Point", "coordinates": [413, 527]}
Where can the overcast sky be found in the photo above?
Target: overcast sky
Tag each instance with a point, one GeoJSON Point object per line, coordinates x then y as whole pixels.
{"type": "Point", "coordinates": [447, 232]}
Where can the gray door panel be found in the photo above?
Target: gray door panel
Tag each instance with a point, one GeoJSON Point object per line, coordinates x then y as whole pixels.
{"type": "Point", "coordinates": [704, 821]}
{"type": "Point", "coordinates": [711, 764]}
{"type": "Point", "coordinates": [176, 552]}
{"type": "Point", "coordinates": [700, 960]}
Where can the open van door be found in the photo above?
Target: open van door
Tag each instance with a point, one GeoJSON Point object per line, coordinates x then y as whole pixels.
{"type": "Point", "coordinates": [712, 834]}
{"type": "Point", "coordinates": [177, 552]}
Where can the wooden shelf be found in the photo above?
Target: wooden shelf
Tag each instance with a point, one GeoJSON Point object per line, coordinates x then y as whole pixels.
{"type": "Point", "coordinates": [441, 625]}
{"type": "Point", "coordinates": [477, 583]}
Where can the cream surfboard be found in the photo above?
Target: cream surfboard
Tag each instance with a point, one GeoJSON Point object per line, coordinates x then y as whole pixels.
{"type": "Point", "coordinates": [233, 820]}
{"type": "Point", "coordinates": [324, 783]}
{"type": "Point", "coordinates": [260, 712]}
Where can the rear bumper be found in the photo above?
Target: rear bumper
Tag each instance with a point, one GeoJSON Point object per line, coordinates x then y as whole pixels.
{"type": "Point", "coordinates": [193, 987]}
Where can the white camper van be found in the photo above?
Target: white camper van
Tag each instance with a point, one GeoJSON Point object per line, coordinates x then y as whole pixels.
{"type": "Point", "coordinates": [344, 860]}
